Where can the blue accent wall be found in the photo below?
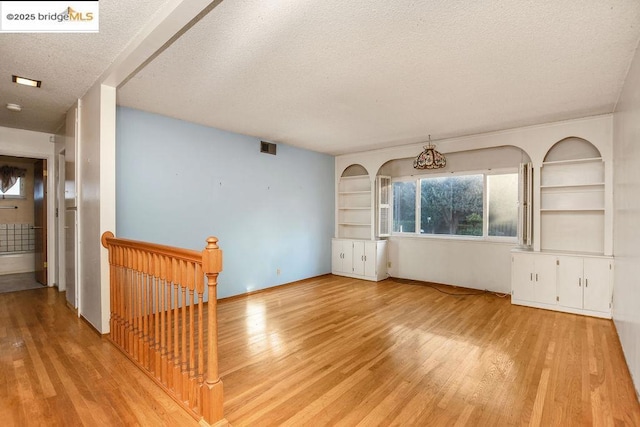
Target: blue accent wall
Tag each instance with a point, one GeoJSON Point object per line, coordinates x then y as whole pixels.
{"type": "Point", "coordinates": [179, 182]}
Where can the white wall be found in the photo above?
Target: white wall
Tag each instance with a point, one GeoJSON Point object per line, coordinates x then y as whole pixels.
{"type": "Point", "coordinates": [96, 201]}
{"type": "Point", "coordinates": [37, 145]}
{"type": "Point", "coordinates": [483, 264]}
{"type": "Point", "coordinates": [626, 293]}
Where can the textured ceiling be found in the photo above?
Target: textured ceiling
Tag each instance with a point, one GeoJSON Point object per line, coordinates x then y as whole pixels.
{"type": "Point", "coordinates": [336, 76]}
{"type": "Point", "coordinates": [67, 64]}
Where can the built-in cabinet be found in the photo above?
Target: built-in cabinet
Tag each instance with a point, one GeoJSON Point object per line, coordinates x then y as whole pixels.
{"type": "Point", "coordinates": [585, 283]}
{"type": "Point", "coordinates": [363, 259]}
{"type": "Point", "coordinates": [577, 284]}
{"type": "Point", "coordinates": [534, 278]}
{"type": "Point", "coordinates": [568, 270]}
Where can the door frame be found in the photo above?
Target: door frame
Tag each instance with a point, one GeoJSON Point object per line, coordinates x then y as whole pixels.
{"type": "Point", "coordinates": [51, 194]}
{"type": "Point", "coordinates": [60, 214]}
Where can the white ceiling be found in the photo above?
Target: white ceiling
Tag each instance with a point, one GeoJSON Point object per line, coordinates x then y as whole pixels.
{"type": "Point", "coordinates": [338, 77]}
{"type": "Point", "coordinates": [67, 64]}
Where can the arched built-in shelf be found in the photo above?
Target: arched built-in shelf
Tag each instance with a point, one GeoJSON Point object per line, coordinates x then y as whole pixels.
{"type": "Point", "coordinates": [572, 198]}
{"type": "Point", "coordinates": [355, 204]}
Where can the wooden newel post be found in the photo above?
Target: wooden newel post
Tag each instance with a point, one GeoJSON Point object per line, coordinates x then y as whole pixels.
{"type": "Point", "coordinates": [212, 399]}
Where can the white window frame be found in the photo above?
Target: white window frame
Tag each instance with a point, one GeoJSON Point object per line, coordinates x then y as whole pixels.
{"type": "Point", "coordinates": [485, 206]}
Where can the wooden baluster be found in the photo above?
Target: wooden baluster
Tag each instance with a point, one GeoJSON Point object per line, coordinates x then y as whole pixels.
{"type": "Point", "coordinates": [123, 295]}
{"type": "Point", "coordinates": [192, 358]}
{"type": "Point", "coordinates": [177, 385]}
{"type": "Point", "coordinates": [115, 304]}
{"type": "Point", "coordinates": [145, 309]}
{"type": "Point", "coordinates": [201, 341]}
{"type": "Point", "coordinates": [136, 304]}
{"type": "Point", "coordinates": [163, 328]}
{"type": "Point", "coordinates": [117, 333]}
{"type": "Point", "coordinates": [212, 397]}
{"type": "Point", "coordinates": [112, 290]}
{"type": "Point", "coordinates": [139, 315]}
{"type": "Point", "coordinates": [183, 353]}
{"type": "Point", "coordinates": [169, 350]}
{"type": "Point", "coordinates": [158, 299]}
{"type": "Point", "coordinates": [129, 280]}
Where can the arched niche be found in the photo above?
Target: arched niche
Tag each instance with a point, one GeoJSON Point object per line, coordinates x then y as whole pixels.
{"type": "Point", "coordinates": [354, 170]}
{"type": "Point", "coordinates": [572, 148]}
{"type": "Point", "coordinates": [355, 204]}
{"type": "Point", "coordinates": [502, 157]}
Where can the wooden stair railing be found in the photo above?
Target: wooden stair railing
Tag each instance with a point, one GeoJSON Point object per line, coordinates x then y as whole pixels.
{"type": "Point", "coordinates": [157, 298]}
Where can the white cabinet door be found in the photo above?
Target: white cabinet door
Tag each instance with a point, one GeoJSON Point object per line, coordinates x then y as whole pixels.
{"type": "Point", "coordinates": [370, 258]}
{"type": "Point", "coordinates": [545, 279]}
{"type": "Point", "coordinates": [336, 256]}
{"type": "Point", "coordinates": [533, 278]}
{"type": "Point", "coordinates": [570, 281]}
{"type": "Point", "coordinates": [522, 277]}
{"type": "Point", "coordinates": [347, 256]}
{"type": "Point", "coordinates": [597, 284]}
{"type": "Point", "coordinates": [358, 258]}
{"type": "Point", "coordinates": [341, 256]}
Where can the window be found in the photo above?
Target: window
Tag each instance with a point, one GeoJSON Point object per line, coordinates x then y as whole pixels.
{"type": "Point", "coordinates": [478, 205]}
{"type": "Point", "coordinates": [503, 204]}
{"type": "Point", "coordinates": [451, 205]}
{"type": "Point", "coordinates": [16, 190]}
{"type": "Point", "coordinates": [404, 207]}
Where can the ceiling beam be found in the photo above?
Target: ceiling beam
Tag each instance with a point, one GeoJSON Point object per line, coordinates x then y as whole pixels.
{"type": "Point", "coordinates": [169, 22]}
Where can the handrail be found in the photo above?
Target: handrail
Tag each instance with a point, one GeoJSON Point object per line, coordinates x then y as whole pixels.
{"type": "Point", "coordinates": [157, 296]}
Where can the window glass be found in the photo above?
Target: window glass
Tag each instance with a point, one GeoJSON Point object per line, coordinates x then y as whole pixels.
{"type": "Point", "coordinates": [452, 205]}
{"type": "Point", "coordinates": [404, 207]}
{"type": "Point", "coordinates": [14, 190]}
{"type": "Point", "coordinates": [503, 204]}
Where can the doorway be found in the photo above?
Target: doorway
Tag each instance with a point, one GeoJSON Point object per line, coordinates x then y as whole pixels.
{"type": "Point", "coordinates": [23, 220]}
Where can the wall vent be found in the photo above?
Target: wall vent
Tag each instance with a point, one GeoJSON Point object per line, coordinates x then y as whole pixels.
{"type": "Point", "coordinates": [268, 147]}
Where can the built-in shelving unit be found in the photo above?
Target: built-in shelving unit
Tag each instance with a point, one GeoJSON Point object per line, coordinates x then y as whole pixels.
{"type": "Point", "coordinates": [572, 204]}
{"type": "Point", "coordinates": [354, 207]}
{"type": "Point", "coordinates": [570, 272]}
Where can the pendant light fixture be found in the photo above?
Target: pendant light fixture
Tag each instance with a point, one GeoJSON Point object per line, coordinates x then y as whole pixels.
{"type": "Point", "coordinates": [430, 158]}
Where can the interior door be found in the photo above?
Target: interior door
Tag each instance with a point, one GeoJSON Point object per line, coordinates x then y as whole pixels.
{"type": "Point", "coordinates": [40, 219]}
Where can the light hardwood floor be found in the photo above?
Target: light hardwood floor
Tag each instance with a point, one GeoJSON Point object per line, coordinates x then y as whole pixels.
{"type": "Point", "coordinates": [332, 351]}
{"type": "Point", "coordinates": [339, 351]}
{"type": "Point", "coordinates": [55, 370]}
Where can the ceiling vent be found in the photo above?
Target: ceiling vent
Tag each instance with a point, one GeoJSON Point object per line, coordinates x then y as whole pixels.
{"type": "Point", "coordinates": [268, 147]}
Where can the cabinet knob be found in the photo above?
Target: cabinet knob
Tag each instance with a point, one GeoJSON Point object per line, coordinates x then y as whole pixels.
{"type": "Point", "coordinates": [586, 283]}
{"type": "Point", "coordinates": [579, 281]}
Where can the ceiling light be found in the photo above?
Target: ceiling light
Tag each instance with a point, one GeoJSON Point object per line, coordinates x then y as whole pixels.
{"type": "Point", "coordinates": [25, 81]}
{"type": "Point", "coordinates": [14, 107]}
{"type": "Point", "coordinates": [430, 158]}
